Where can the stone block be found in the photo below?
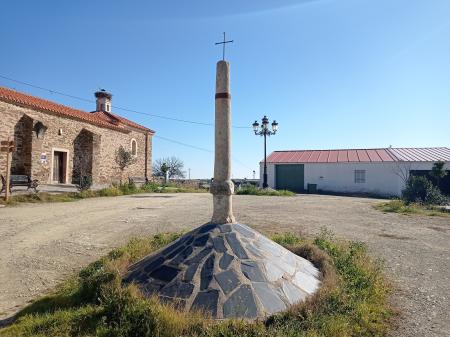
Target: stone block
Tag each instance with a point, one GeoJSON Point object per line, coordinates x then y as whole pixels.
{"type": "Point", "coordinates": [207, 301]}
{"type": "Point", "coordinates": [241, 303]}
{"type": "Point", "coordinates": [269, 298]}
{"type": "Point", "coordinates": [236, 246]}
{"type": "Point", "coordinates": [227, 280]}
{"type": "Point", "coordinates": [252, 271]}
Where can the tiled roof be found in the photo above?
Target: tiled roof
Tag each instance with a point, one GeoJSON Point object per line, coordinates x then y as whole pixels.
{"type": "Point", "coordinates": [428, 154]}
{"type": "Point", "coordinates": [125, 121]}
{"type": "Point", "coordinates": [99, 118]}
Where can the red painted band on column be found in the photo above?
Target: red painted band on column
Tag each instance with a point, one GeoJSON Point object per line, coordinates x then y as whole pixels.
{"type": "Point", "coordinates": [223, 95]}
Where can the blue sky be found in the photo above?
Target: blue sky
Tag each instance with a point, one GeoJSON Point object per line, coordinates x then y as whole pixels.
{"type": "Point", "coordinates": [333, 73]}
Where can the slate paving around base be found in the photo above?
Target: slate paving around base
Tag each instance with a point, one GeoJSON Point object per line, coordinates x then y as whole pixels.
{"type": "Point", "coordinates": [227, 271]}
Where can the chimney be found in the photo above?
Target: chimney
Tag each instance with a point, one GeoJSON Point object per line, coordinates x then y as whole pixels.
{"type": "Point", "coordinates": [103, 100]}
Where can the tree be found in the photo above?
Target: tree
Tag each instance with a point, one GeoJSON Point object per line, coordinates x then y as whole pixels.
{"type": "Point", "coordinates": [438, 172]}
{"type": "Point", "coordinates": [172, 166]}
{"type": "Point", "coordinates": [420, 189]}
{"type": "Point", "coordinates": [124, 159]}
{"type": "Point", "coordinates": [402, 169]}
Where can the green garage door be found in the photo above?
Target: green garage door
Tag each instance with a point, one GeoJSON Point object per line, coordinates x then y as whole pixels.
{"type": "Point", "coordinates": [290, 177]}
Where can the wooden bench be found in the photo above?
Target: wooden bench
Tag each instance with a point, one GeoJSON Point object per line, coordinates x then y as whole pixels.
{"type": "Point", "coordinates": [137, 180]}
{"type": "Point", "coordinates": [20, 180]}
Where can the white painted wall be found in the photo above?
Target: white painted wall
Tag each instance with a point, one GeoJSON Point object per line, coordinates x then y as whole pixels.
{"type": "Point", "coordinates": [270, 175]}
{"type": "Point", "coordinates": [340, 177]}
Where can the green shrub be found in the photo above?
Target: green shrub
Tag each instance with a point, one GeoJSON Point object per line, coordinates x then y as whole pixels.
{"type": "Point", "coordinates": [112, 191]}
{"type": "Point", "coordinates": [150, 187]}
{"type": "Point", "coordinates": [87, 194]}
{"type": "Point", "coordinates": [286, 239]}
{"type": "Point", "coordinates": [85, 182]}
{"type": "Point", "coordinates": [128, 188]}
{"type": "Point", "coordinates": [254, 190]}
{"type": "Point", "coordinates": [420, 189]}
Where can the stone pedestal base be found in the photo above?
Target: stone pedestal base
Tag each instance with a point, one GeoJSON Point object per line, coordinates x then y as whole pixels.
{"type": "Point", "coordinates": [222, 213]}
{"type": "Point", "coordinates": [223, 210]}
{"type": "Point", "coordinates": [227, 271]}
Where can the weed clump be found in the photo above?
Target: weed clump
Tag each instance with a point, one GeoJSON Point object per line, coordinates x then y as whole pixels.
{"type": "Point", "coordinates": [401, 207]}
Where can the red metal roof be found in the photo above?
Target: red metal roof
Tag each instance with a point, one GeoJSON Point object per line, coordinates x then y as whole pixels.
{"type": "Point", "coordinates": [428, 154]}
{"type": "Point", "coordinates": [99, 118]}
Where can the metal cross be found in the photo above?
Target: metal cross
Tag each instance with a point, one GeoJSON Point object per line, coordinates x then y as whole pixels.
{"type": "Point", "coordinates": [224, 43]}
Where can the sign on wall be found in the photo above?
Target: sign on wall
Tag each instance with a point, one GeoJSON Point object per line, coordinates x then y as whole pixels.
{"type": "Point", "coordinates": [43, 158]}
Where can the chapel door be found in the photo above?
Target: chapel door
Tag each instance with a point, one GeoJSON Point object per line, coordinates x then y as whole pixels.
{"type": "Point", "coordinates": [58, 167]}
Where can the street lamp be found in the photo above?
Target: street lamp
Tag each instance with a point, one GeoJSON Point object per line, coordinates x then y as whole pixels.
{"type": "Point", "coordinates": [265, 132]}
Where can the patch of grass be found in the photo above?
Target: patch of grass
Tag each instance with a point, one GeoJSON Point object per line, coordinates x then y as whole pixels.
{"type": "Point", "coordinates": [169, 189]}
{"type": "Point", "coordinates": [352, 299]}
{"type": "Point", "coordinates": [399, 206]}
{"type": "Point", "coordinates": [253, 190]}
{"type": "Point", "coordinates": [286, 239]}
{"type": "Point", "coordinates": [112, 191]}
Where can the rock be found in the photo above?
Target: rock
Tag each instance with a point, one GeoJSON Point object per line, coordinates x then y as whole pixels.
{"type": "Point", "coordinates": [225, 261]}
{"type": "Point", "coordinates": [240, 304]}
{"type": "Point", "coordinates": [207, 301]}
{"type": "Point", "coordinates": [190, 271]}
{"type": "Point", "coordinates": [226, 228]}
{"type": "Point", "coordinates": [227, 280]}
{"type": "Point", "coordinates": [206, 274]}
{"type": "Point", "coordinates": [269, 298]}
{"type": "Point", "coordinates": [236, 245]}
{"type": "Point", "coordinates": [219, 245]}
{"type": "Point", "coordinates": [178, 289]}
{"type": "Point", "coordinates": [164, 273]}
{"type": "Point", "coordinates": [251, 270]}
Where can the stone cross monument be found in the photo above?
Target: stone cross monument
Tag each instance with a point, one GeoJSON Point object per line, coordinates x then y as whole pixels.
{"type": "Point", "coordinates": [222, 187]}
{"type": "Point", "coordinates": [227, 271]}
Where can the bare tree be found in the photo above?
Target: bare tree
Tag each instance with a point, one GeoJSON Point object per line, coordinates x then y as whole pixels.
{"type": "Point", "coordinates": [124, 159]}
{"type": "Point", "coordinates": [172, 165]}
{"type": "Point", "coordinates": [402, 169]}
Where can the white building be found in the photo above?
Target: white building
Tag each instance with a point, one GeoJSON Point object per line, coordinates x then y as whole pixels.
{"type": "Point", "coordinates": [374, 171]}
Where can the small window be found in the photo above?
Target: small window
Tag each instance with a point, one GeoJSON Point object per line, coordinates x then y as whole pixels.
{"type": "Point", "coordinates": [133, 147]}
{"type": "Point", "coordinates": [107, 107]}
{"type": "Point", "coordinates": [360, 176]}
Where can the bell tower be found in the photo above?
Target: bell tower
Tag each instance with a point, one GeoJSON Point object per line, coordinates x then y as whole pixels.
{"type": "Point", "coordinates": [103, 100]}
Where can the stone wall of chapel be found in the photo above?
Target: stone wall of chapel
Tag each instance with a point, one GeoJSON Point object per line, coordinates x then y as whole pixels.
{"type": "Point", "coordinates": [61, 135]}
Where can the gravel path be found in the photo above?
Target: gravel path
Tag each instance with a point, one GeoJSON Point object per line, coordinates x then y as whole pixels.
{"type": "Point", "coordinates": [41, 244]}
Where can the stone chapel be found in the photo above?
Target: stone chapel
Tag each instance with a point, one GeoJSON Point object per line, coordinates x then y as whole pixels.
{"type": "Point", "coordinates": [57, 144]}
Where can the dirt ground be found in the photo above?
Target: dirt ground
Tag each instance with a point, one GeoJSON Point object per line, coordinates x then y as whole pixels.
{"type": "Point", "coordinates": [41, 244]}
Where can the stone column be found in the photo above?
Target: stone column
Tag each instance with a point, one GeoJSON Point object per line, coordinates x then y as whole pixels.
{"type": "Point", "coordinates": [222, 187]}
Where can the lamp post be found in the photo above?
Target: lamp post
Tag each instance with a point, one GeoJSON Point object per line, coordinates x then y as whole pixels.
{"type": "Point", "coordinates": [265, 132]}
